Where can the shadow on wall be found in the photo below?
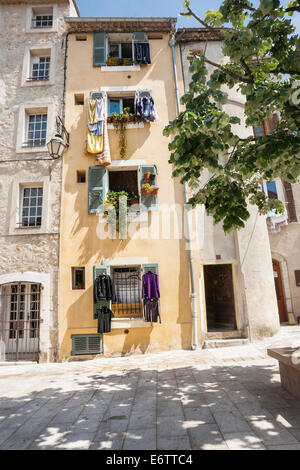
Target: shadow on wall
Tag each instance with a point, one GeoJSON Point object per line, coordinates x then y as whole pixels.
{"type": "Point", "coordinates": [139, 409]}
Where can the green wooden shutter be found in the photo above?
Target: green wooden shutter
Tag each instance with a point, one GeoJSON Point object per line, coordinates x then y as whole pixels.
{"type": "Point", "coordinates": [87, 344]}
{"type": "Point", "coordinates": [97, 271]}
{"type": "Point", "coordinates": [139, 36]}
{"type": "Point", "coordinates": [149, 201]}
{"type": "Point", "coordinates": [150, 267]}
{"type": "Point", "coordinates": [97, 188]}
{"type": "Point", "coordinates": [99, 49]}
{"type": "Point", "coordinates": [97, 95]}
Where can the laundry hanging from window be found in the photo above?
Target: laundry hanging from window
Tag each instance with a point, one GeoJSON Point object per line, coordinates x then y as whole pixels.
{"type": "Point", "coordinates": [142, 52]}
{"type": "Point", "coordinates": [95, 126]}
{"type": "Point", "coordinates": [104, 288]}
{"type": "Point", "coordinates": [144, 107]}
{"type": "Point", "coordinates": [104, 315]}
{"type": "Point", "coordinates": [151, 296]}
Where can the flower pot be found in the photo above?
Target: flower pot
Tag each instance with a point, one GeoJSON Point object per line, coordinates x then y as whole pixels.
{"type": "Point", "coordinates": [145, 191]}
{"type": "Point", "coordinates": [133, 202]}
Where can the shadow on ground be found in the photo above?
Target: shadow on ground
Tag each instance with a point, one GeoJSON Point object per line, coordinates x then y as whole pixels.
{"type": "Point", "coordinates": [226, 407]}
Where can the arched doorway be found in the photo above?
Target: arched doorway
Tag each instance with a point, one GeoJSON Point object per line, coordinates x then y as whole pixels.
{"type": "Point", "coordinates": [279, 291]}
{"type": "Point", "coordinates": [20, 320]}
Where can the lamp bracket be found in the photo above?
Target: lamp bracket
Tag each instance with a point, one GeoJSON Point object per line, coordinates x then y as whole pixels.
{"type": "Point", "coordinates": [62, 130]}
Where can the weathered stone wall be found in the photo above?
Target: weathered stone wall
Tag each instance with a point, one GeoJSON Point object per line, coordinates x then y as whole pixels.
{"type": "Point", "coordinates": [32, 250]}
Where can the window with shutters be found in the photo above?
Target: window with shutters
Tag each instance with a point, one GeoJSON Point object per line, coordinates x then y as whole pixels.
{"type": "Point", "coordinates": [266, 127]}
{"type": "Point", "coordinates": [280, 189]}
{"type": "Point", "coordinates": [139, 183]}
{"type": "Point", "coordinates": [127, 281]}
{"type": "Point", "coordinates": [121, 49]}
{"type": "Point", "coordinates": [128, 287]}
{"type": "Point", "coordinates": [118, 104]}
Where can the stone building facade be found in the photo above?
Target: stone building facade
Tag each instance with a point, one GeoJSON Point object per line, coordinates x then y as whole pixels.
{"type": "Point", "coordinates": [31, 96]}
{"type": "Point", "coordinates": [241, 259]}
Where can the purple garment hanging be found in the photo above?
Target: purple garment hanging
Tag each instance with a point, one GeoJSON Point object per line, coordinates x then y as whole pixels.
{"type": "Point", "coordinates": [150, 286]}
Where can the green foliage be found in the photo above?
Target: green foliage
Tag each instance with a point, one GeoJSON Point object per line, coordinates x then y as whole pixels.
{"type": "Point", "coordinates": [119, 121]}
{"type": "Point", "coordinates": [263, 63]}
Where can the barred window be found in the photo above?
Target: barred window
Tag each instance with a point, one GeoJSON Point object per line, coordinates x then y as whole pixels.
{"type": "Point", "coordinates": [37, 130]}
{"type": "Point", "coordinates": [42, 21]}
{"type": "Point", "coordinates": [32, 207]}
{"type": "Point", "coordinates": [127, 281]}
{"type": "Point", "coordinates": [40, 68]}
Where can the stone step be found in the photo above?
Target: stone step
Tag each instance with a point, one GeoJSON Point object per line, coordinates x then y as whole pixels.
{"type": "Point", "coordinates": [224, 334]}
{"type": "Point", "coordinates": [223, 343]}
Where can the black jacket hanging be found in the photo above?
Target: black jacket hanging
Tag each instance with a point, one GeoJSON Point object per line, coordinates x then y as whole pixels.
{"type": "Point", "coordinates": [104, 315]}
{"type": "Point", "coordinates": [104, 288]}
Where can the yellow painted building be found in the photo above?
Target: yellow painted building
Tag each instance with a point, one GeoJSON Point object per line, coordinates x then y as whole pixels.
{"type": "Point", "coordinates": [84, 251]}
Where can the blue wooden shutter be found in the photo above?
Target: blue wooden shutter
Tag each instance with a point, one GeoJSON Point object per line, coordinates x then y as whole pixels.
{"type": "Point", "coordinates": [99, 49]}
{"type": "Point", "coordinates": [149, 201]}
{"type": "Point", "coordinates": [97, 271]}
{"type": "Point", "coordinates": [97, 187]}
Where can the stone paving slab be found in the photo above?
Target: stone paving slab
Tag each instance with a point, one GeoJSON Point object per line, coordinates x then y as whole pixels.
{"type": "Point", "coordinates": [227, 399]}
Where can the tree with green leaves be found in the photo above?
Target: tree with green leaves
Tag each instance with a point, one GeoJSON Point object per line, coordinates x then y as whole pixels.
{"type": "Point", "coordinates": [262, 54]}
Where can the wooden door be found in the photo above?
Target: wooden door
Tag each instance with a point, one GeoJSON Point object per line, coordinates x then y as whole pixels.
{"type": "Point", "coordinates": [279, 291]}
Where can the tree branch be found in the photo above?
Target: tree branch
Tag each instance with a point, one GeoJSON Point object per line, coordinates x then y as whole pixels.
{"type": "Point", "coordinates": [292, 9]}
{"type": "Point", "coordinates": [228, 72]}
{"type": "Point", "coordinates": [211, 28]}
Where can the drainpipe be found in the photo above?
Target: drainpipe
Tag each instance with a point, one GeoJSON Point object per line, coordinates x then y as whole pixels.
{"type": "Point", "coordinates": [172, 43]}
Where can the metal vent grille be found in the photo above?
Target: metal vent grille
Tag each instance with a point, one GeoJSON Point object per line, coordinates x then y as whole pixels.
{"type": "Point", "coordinates": [86, 344]}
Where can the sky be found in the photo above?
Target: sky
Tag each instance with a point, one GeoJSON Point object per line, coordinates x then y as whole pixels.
{"type": "Point", "coordinates": [142, 8]}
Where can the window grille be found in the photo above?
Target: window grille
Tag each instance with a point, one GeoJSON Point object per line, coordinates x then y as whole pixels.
{"type": "Point", "coordinates": [42, 21]}
{"type": "Point", "coordinates": [127, 283]}
{"type": "Point", "coordinates": [40, 69]}
{"type": "Point", "coordinates": [32, 207]}
{"type": "Point", "coordinates": [37, 130]}
{"type": "Point", "coordinates": [20, 320]}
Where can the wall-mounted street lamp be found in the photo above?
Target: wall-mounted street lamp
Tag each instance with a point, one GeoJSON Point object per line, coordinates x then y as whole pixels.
{"type": "Point", "coordinates": [60, 141]}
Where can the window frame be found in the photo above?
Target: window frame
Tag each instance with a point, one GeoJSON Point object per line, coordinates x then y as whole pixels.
{"type": "Point", "coordinates": [22, 197]}
{"type": "Point", "coordinates": [47, 50]}
{"type": "Point", "coordinates": [16, 206]}
{"type": "Point", "coordinates": [139, 269]}
{"type": "Point", "coordinates": [74, 269]}
{"type": "Point", "coordinates": [41, 10]}
{"type": "Point", "coordinates": [27, 109]}
{"type": "Point", "coordinates": [36, 60]}
{"type": "Point", "coordinates": [27, 129]}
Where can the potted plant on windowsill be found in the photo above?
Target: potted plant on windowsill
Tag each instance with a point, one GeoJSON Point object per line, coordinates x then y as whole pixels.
{"type": "Point", "coordinates": [112, 61]}
{"type": "Point", "coordinates": [127, 61]}
{"type": "Point", "coordinates": [146, 189]}
{"type": "Point", "coordinates": [133, 199]}
{"type": "Point", "coordinates": [154, 190]}
{"type": "Point", "coordinates": [147, 176]}
{"type": "Point", "coordinates": [119, 121]}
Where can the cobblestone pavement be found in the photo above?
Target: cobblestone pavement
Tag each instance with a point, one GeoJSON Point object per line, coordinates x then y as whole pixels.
{"type": "Point", "coordinates": [226, 398]}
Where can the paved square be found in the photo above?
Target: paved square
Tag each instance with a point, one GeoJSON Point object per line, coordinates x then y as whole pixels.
{"type": "Point", "coordinates": [181, 400]}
